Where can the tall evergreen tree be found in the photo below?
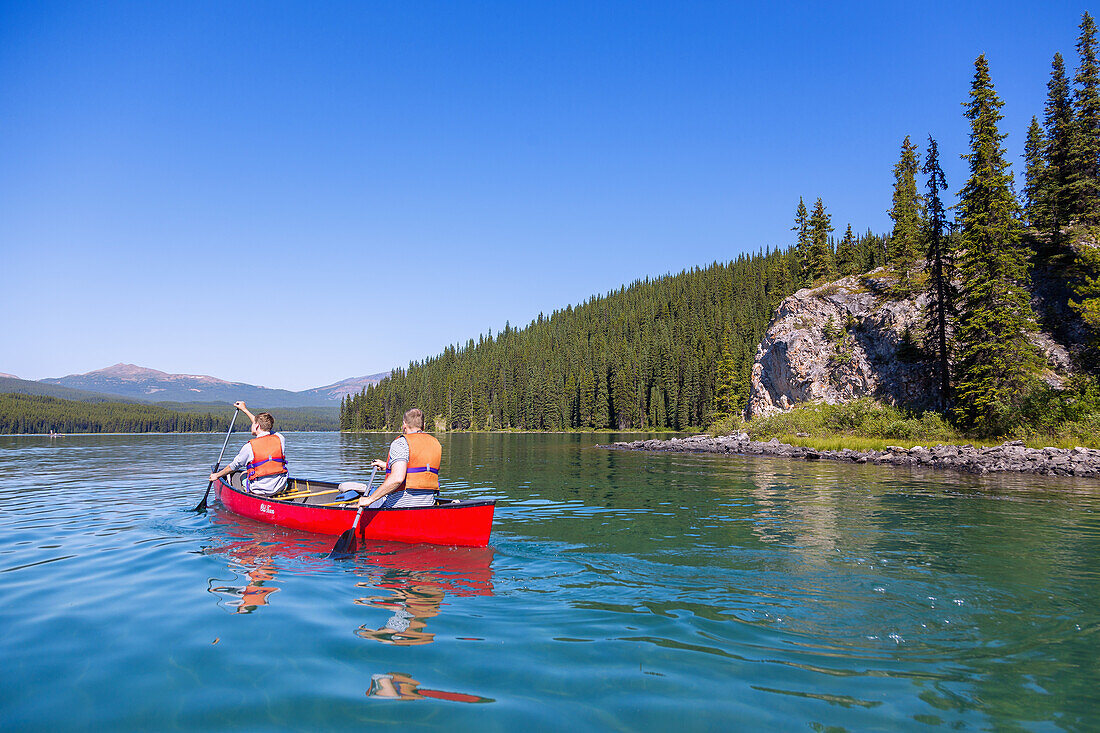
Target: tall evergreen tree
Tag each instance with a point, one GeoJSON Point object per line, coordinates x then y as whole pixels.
{"type": "Point", "coordinates": [1036, 183]}
{"type": "Point", "coordinates": [802, 245]}
{"type": "Point", "coordinates": [938, 263]}
{"type": "Point", "coordinates": [997, 360]}
{"type": "Point", "coordinates": [725, 387]}
{"type": "Point", "coordinates": [1059, 125]}
{"type": "Point", "coordinates": [905, 239]}
{"type": "Point", "coordinates": [847, 255]}
{"type": "Point", "coordinates": [820, 263]}
{"type": "Point", "coordinates": [1084, 179]}
{"type": "Point", "coordinates": [1087, 290]}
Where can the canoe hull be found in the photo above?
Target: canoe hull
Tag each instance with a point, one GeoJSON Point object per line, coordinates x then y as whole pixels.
{"type": "Point", "coordinates": [457, 523]}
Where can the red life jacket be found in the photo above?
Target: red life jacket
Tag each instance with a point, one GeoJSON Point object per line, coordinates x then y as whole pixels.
{"type": "Point", "coordinates": [425, 455]}
{"type": "Point", "coordinates": [267, 457]}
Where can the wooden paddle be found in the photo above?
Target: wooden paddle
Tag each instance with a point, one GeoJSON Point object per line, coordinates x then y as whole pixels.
{"type": "Point", "coordinates": [202, 504]}
{"type": "Point", "coordinates": [346, 544]}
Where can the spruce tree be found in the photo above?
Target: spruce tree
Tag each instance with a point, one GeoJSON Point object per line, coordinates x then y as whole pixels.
{"type": "Point", "coordinates": [802, 246]}
{"type": "Point", "coordinates": [997, 360]}
{"type": "Point", "coordinates": [1084, 178]}
{"type": "Point", "coordinates": [820, 264]}
{"type": "Point", "coordinates": [905, 239]}
{"type": "Point", "coordinates": [847, 255]}
{"type": "Point", "coordinates": [1087, 289]}
{"type": "Point", "coordinates": [938, 264]}
{"type": "Point", "coordinates": [725, 387]}
{"type": "Point", "coordinates": [1036, 184]}
{"type": "Point", "coordinates": [1059, 126]}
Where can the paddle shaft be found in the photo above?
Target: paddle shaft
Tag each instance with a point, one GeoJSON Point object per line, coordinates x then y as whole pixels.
{"type": "Point", "coordinates": [359, 513]}
{"type": "Point", "coordinates": [202, 504]}
{"type": "Point", "coordinates": [345, 544]}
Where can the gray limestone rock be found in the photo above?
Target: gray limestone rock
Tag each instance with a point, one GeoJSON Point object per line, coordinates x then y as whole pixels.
{"type": "Point", "coordinates": [850, 339]}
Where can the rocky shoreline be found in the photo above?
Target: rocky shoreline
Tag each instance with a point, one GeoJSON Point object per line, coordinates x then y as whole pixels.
{"type": "Point", "coordinates": [1012, 456]}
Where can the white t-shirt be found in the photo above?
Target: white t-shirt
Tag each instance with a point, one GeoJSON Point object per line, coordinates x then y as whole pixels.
{"type": "Point", "coordinates": [267, 485]}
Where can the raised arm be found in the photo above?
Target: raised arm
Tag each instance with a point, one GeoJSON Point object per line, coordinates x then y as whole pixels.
{"type": "Point", "coordinates": [239, 404]}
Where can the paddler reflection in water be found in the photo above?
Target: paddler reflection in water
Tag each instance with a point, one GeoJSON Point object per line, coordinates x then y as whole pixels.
{"type": "Point", "coordinates": [264, 456]}
{"type": "Point", "coordinates": [260, 571]}
{"type": "Point", "coordinates": [412, 605]}
{"type": "Point", "coordinates": [412, 468]}
{"type": "Point", "coordinates": [255, 593]}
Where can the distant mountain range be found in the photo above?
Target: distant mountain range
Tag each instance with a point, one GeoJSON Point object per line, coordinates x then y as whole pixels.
{"type": "Point", "coordinates": [141, 383]}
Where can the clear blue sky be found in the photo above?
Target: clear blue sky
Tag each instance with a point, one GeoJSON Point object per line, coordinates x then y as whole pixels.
{"type": "Point", "coordinates": [357, 185]}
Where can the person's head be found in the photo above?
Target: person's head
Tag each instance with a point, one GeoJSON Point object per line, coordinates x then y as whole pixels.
{"type": "Point", "coordinates": [264, 423]}
{"type": "Point", "coordinates": [414, 420]}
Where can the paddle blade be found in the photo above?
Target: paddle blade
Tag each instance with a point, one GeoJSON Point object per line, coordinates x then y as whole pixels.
{"type": "Point", "coordinates": [202, 504]}
{"type": "Point", "coordinates": [346, 545]}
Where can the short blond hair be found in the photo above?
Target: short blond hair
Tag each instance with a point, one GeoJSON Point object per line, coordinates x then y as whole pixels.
{"type": "Point", "coordinates": [414, 418]}
{"type": "Point", "coordinates": [265, 421]}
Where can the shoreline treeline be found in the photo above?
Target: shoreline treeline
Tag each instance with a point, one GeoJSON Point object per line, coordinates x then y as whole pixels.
{"type": "Point", "coordinates": [21, 413]}
{"type": "Point", "coordinates": [39, 414]}
{"type": "Point", "coordinates": [644, 356]}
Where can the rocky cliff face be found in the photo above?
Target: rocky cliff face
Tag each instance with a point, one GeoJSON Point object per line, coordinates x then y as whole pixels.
{"type": "Point", "coordinates": [849, 339]}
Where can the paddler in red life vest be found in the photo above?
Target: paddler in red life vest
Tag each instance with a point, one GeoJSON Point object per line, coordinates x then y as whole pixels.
{"type": "Point", "coordinates": [412, 469]}
{"type": "Point", "coordinates": [264, 456]}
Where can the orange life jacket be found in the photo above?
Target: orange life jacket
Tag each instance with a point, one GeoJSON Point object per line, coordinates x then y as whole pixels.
{"type": "Point", "coordinates": [267, 457]}
{"type": "Point", "coordinates": [425, 455]}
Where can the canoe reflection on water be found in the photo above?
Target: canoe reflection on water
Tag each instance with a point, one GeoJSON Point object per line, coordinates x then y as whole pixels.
{"type": "Point", "coordinates": [418, 578]}
{"type": "Point", "coordinates": [411, 584]}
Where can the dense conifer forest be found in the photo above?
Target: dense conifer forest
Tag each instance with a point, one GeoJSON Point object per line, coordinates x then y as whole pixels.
{"type": "Point", "coordinates": [668, 353]}
{"type": "Point", "coordinates": [671, 352]}
{"type": "Point", "coordinates": [676, 352]}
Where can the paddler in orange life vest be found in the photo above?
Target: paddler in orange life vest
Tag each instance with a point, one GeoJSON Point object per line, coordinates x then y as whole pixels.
{"type": "Point", "coordinates": [412, 469]}
{"type": "Point", "coordinates": [264, 456]}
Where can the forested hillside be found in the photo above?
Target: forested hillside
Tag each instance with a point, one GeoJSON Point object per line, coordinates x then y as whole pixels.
{"type": "Point", "coordinates": [641, 357]}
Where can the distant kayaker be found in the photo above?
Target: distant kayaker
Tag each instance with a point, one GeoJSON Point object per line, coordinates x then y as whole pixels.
{"type": "Point", "coordinates": [412, 470]}
{"type": "Point", "coordinates": [264, 456]}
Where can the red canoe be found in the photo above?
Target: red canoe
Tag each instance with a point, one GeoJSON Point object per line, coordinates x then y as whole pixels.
{"type": "Point", "coordinates": [450, 522]}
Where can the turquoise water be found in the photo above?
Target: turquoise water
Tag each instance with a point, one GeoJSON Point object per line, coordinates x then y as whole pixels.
{"type": "Point", "coordinates": [620, 591]}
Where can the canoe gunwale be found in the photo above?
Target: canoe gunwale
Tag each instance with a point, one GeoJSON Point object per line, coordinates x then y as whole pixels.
{"type": "Point", "coordinates": [447, 503]}
{"type": "Point", "coordinates": [463, 522]}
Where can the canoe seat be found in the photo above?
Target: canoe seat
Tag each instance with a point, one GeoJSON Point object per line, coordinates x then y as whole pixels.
{"type": "Point", "coordinates": [350, 490]}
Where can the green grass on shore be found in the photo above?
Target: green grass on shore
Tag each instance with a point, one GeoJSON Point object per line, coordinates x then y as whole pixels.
{"type": "Point", "coordinates": [869, 425]}
{"type": "Point", "coordinates": [855, 442]}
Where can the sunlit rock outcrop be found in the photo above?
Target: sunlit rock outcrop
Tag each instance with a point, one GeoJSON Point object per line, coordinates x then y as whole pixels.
{"type": "Point", "coordinates": [850, 339]}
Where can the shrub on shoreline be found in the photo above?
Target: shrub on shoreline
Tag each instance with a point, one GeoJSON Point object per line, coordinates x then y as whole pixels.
{"type": "Point", "coordinates": [1047, 417]}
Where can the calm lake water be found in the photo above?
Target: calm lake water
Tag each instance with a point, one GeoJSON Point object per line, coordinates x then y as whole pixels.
{"type": "Point", "coordinates": [620, 591]}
